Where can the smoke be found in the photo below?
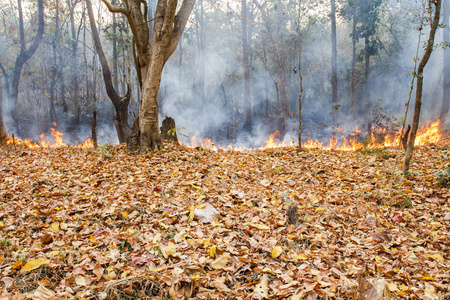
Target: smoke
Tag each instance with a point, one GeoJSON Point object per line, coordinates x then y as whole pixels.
{"type": "Point", "coordinates": [211, 116]}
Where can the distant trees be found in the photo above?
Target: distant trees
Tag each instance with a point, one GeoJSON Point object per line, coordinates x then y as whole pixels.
{"type": "Point", "coordinates": [243, 65]}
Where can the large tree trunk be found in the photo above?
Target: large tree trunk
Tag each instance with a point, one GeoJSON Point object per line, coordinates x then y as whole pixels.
{"type": "Point", "coordinates": [419, 87]}
{"type": "Point", "coordinates": [168, 25]}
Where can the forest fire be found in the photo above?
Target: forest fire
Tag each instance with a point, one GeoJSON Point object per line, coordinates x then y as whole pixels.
{"type": "Point", "coordinates": [426, 134]}
{"type": "Point", "coordinates": [44, 143]}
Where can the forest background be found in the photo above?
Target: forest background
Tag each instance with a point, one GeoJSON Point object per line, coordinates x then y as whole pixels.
{"type": "Point", "coordinates": [203, 83]}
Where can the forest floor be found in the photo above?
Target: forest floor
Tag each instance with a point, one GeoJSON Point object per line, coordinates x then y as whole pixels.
{"type": "Point", "coordinates": [107, 224]}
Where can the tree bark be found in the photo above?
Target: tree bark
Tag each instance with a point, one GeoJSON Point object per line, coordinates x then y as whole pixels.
{"type": "Point", "coordinates": [419, 86]}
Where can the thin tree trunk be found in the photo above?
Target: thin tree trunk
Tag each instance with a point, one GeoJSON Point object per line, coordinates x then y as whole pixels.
{"type": "Point", "coordinates": [419, 87]}
{"type": "Point", "coordinates": [300, 95]}
{"type": "Point", "coordinates": [246, 61]}
{"type": "Point", "coordinates": [124, 131]}
{"type": "Point", "coordinates": [446, 61]}
{"type": "Point", "coordinates": [24, 56]}
{"type": "Point", "coordinates": [2, 128]}
{"type": "Point", "coordinates": [366, 88]}
{"type": "Point", "coordinates": [74, 62]}
{"type": "Point", "coordinates": [353, 104]}
{"type": "Point", "coordinates": [334, 79]}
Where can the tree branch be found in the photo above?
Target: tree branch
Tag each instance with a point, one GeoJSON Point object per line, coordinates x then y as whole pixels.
{"type": "Point", "coordinates": [126, 12]}
{"type": "Point", "coordinates": [180, 22]}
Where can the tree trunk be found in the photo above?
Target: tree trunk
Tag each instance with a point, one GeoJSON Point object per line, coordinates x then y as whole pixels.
{"type": "Point", "coordinates": [200, 30]}
{"type": "Point", "coordinates": [446, 61]}
{"type": "Point", "coordinates": [300, 95]}
{"type": "Point", "coordinates": [168, 130]}
{"type": "Point", "coordinates": [24, 56]}
{"type": "Point", "coordinates": [419, 86]}
{"type": "Point", "coordinates": [366, 88]}
{"type": "Point", "coordinates": [74, 62]}
{"type": "Point", "coordinates": [168, 25]}
{"type": "Point", "coordinates": [334, 79]}
{"type": "Point", "coordinates": [2, 128]}
{"type": "Point", "coordinates": [123, 129]}
{"type": "Point", "coordinates": [353, 104]}
{"type": "Point", "coordinates": [246, 61]}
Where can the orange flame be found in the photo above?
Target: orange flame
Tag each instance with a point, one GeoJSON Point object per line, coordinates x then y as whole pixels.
{"type": "Point", "coordinates": [44, 143]}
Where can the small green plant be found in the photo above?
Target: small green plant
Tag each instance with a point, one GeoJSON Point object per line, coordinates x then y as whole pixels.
{"type": "Point", "coordinates": [5, 244]}
{"type": "Point", "coordinates": [104, 151]}
{"type": "Point", "coordinates": [173, 131]}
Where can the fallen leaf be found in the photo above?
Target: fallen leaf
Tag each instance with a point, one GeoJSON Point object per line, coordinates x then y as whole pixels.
{"type": "Point", "coordinates": [276, 251]}
{"type": "Point", "coordinates": [221, 261]}
{"type": "Point", "coordinates": [34, 264]}
{"type": "Point", "coordinates": [261, 290]}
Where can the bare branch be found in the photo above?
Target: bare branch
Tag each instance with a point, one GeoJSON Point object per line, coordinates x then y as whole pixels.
{"type": "Point", "coordinates": [180, 21]}
{"type": "Point", "coordinates": [116, 9]}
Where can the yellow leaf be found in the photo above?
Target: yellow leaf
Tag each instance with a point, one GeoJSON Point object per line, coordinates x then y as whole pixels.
{"type": "Point", "coordinates": [34, 264]}
{"type": "Point", "coordinates": [259, 226]}
{"type": "Point", "coordinates": [212, 251]}
{"type": "Point", "coordinates": [276, 251]}
{"type": "Point", "coordinates": [267, 270]}
{"type": "Point", "coordinates": [302, 256]}
{"type": "Point", "coordinates": [438, 257]}
{"type": "Point", "coordinates": [92, 238]}
{"type": "Point", "coordinates": [378, 259]}
{"type": "Point", "coordinates": [427, 277]}
{"type": "Point", "coordinates": [314, 200]}
{"type": "Point", "coordinates": [52, 254]}
{"type": "Point", "coordinates": [124, 214]}
{"type": "Point", "coordinates": [221, 261]}
{"type": "Point", "coordinates": [404, 287]}
{"type": "Point", "coordinates": [191, 213]}
{"type": "Point", "coordinates": [125, 274]}
{"type": "Point", "coordinates": [201, 205]}
{"type": "Point", "coordinates": [168, 250]}
{"type": "Point", "coordinates": [400, 293]}
{"type": "Point", "coordinates": [320, 209]}
{"type": "Point", "coordinates": [195, 277]}
{"type": "Point", "coordinates": [55, 227]}
{"type": "Point", "coordinates": [17, 265]}
{"type": "Point", "coordinates": [206, 243]}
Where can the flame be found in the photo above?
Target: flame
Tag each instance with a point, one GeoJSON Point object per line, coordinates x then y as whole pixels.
{"type": "Point", "coordinates": [380, 138]}
{"type": "Point", "coordinates": [44, 143]}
